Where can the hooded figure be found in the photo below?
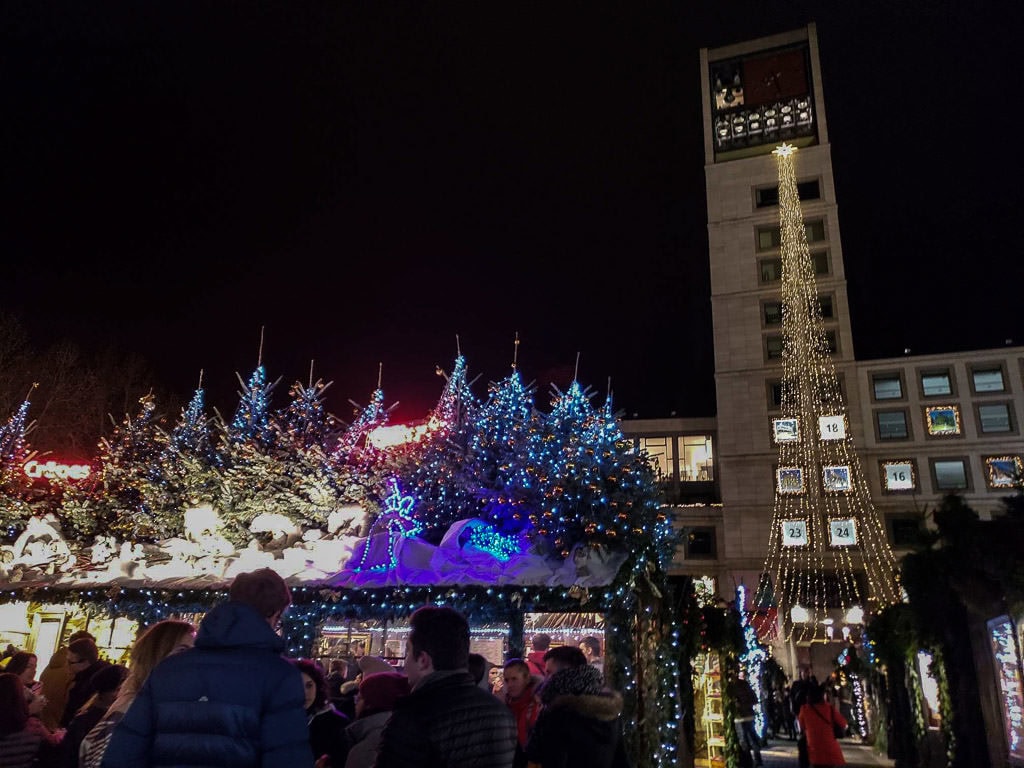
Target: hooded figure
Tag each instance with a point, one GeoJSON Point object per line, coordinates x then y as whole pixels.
{"type": "Point", "coordinates": [232, 700]}
{"type": "Point", "coordinates": [580, 724]}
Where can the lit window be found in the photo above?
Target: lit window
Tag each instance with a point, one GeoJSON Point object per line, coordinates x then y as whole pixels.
{"type": "Point", "coordinates": [936, 384]}
{"type": "Point", "coordinates": [659, 453]}
{"type": "Point", "coordinates": [898, 476]}
{"type": "Point", "coordinates": [994, 417]}
{"type": "Point", "coordinates": [988, 380]}
{"type": "Point", "coordinates": [892, 425]}
{"type": "Point", "coordinates": [696, 459]}
{"type": "Point", "coordinates": [887, 387]}
{"type": "Point", "coordinates": [950, 474]}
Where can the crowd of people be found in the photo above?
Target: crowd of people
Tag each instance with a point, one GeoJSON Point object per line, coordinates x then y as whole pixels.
{"type": "Point", "coordinates": [800, 711]}
{"type": "Point", "coordinates": [225, 694]}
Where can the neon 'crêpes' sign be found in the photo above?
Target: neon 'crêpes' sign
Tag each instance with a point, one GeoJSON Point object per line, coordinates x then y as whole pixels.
{"type": "Point", "coordinates": [54, 470]}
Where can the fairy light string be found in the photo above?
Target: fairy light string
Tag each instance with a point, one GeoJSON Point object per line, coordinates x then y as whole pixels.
{"type": "Point", "coordinates": [825, 530]}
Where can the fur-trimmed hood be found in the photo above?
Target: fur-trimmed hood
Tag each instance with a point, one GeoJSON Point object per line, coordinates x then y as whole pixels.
{"type": "Point", "coordinates": [605, 706]}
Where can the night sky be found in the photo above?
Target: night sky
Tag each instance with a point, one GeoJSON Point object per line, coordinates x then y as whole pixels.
{"type": "Point", "coordinates": [369, 180]}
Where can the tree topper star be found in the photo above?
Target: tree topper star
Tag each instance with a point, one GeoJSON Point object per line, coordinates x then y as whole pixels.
{"type": "Point", "coordinates": [784, 150]}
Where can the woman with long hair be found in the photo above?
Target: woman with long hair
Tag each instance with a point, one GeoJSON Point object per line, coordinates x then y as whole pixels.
{"type": "Point", "coordinates": [23, 664]}
{"type": "Point", "coordinates": [161, 640]}
{"type": "Point", "coordinates": [24, 740]}
{"type": "Point", "coordinates": [327, 725]}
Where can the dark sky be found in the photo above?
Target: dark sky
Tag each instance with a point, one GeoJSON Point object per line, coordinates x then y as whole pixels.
{"type": "Point", "coordinates": [369, 180]}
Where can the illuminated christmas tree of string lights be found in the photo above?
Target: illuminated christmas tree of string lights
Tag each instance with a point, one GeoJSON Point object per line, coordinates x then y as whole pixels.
{"type": "Point", "coordinates": [825, 530]}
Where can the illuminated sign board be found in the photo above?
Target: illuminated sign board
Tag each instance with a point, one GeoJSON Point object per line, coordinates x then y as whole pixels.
{"type": "Point", "coordinates": [1008, 675]}
{"type": "Point", "coordinates": [54, 470]}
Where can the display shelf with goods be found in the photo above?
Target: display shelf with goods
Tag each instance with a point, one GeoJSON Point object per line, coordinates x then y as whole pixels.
{"type": "Point", "coordinates": [710, 752]}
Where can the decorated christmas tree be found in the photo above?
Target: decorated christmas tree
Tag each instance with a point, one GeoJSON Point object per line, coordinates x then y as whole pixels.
{"type": "Point", "coordinates": [251, 422]}
{"type": "Point", "coordinates": [189, 470]}
{"type": "Point", "coordinates": [506, 488]}
{"type": "Point", "coordinates": [130, 486]}
{"type": "Point", "coordinates": [435, 468]}
{"type": "Point", "coordinates": [15, 507]}
{"type": "Point", "coordinates": [352, 447]}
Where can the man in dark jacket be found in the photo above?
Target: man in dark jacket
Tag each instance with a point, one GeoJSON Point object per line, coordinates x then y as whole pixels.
{"type": "Point", "coordinates": [84, 661]}
{"type": "Point", "coordinates": [447, 720]}
{"type": "Point", "coordinates": [230, 702]}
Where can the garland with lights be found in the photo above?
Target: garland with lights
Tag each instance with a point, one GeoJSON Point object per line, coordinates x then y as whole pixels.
{"type": "Point", "coordinates": [567, 485]}
{"type": "Point", "coordinates": [824, 528]}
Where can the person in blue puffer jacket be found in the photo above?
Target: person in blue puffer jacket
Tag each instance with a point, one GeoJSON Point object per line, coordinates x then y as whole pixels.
{"type": "Point", "coordinates": [230, 702]}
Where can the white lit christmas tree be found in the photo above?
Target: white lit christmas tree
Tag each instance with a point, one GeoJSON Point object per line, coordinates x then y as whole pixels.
{"type": "Point", "coordinates": [825, 530]}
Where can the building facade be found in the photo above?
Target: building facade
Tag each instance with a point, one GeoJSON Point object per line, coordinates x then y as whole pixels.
{"type": "Point", "coordinates": [923, 425]}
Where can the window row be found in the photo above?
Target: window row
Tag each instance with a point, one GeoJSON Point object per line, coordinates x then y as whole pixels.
{"type": "Point", "coordinates": [774, 343]}
{"type": "Point", "coordinates": [951, 474]}
{"type": "Point", "coordinates": [694, 463]}
{"type": "Point", "coordinates": [767, 197]}
{"type": "Point", "coordinates": [944, 421]}
{"type": "Point", "coordinates": [771, 311]}
{"type": "Point", "coordinates": [770, 238]}
{"type": "Point", "coordinates": [769, 269]}
{"type": "Point", "coordinates": [985, 379]}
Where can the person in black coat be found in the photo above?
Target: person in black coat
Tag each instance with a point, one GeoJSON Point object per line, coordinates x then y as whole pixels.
{"type": "Point", "coordinates": [447, 719]}
{"type": "Point", "coordinates": [326, 724]}
{"type": "Point", "coordinates": [580, 725]}
{"type": "Point", "coordinates": [106, 683]}
{"type": "Point", "coordinates": [84, 662]}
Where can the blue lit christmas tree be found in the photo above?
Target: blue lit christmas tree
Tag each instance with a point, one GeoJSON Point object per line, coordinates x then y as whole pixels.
{"type": "Point", "coordinates": [251, 422]}
{"type": "Point", "coordinates": [352, 447]}
{"type": "Point", "coordinates": [500, 441]}
{"type": "Point", "coordinates": [14, 452]}
{"type": "Point", "coordinates": [435, 468]}
{"type": "Point", "coordinates": [189, 469]}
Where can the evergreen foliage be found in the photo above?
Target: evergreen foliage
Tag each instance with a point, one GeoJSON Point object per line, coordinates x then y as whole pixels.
{"type": "Point", "coordinates": [15, 506]}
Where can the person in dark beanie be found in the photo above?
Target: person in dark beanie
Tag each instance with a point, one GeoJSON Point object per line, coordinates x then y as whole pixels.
{"type": "Point", "coordinates": [447, 719]}
{"type": "Point", "coordinates": [232, 701]}
{"type": "Point", "coordinates": [580, 723]}
{"type": "Point", "coordinates": [84, 662]}
{"type": "Point", "coordinates": [106, 684]}
{"type": "Point", "coordinates": [378, 693]}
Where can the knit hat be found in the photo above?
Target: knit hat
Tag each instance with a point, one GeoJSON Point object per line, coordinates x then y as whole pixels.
{"type": "Point", "coordinates": [262, 589]}
{"type": "Point", "coordinates": [571, 681]}
{"type": "Point", "coordinates": [109, 678]}
{"type": "Point", "coordinates": [381, 690]}
{"type": "Point", "coordinates": [369, 665]}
